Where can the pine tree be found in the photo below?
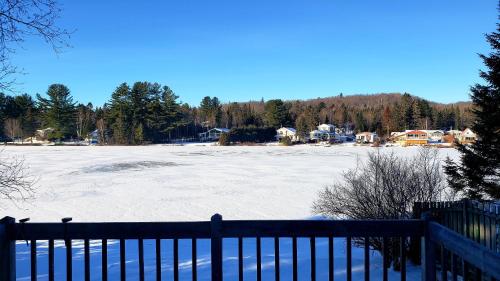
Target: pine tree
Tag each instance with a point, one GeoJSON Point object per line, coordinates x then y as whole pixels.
{"type": "Point", "coordinates": [119, 115]}
{"type": "Point", "coordinates": [478, 173]}
{"type": "Point", "coordinates": [58, 111]}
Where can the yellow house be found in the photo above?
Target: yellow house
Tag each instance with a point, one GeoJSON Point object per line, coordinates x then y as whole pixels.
{"type": "Point", "coordinates": [408, 138]}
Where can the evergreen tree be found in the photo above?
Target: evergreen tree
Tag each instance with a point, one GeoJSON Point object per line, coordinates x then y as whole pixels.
{"type": "Point", "coordinates": [478, 173]}
{"type": "Point", "coordinates": [119, 115]}
{"type": "Point", "coordinates": [276, 114]}
{"type": "Point", "coordinates": [58, 111]}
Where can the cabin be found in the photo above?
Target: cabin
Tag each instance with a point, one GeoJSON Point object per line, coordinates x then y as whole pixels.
{"type": "Point", "coordinates": [213, 134]}
{"type": "Point", "coordinates": [287, 132]}
{"type": "Point", "coordinates": [92, 137]}
{"type": "Point", "coordinates": [468, 136]}
{"type": "Point", "coordinates": [366, 137]}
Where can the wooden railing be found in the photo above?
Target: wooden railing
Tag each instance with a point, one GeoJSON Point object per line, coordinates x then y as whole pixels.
{"type": "Point", "coordinates": [217, 229]}
{"type": "Point", "coordinates": [477, 221]}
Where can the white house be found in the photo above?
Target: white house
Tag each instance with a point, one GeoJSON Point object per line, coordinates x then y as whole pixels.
{"type": "Point", "coordinates": [468, 136]}
{"type": "Point", "coordinates": [366, 137]}
{"type": "Point", "coordinates": [287, 132]}
{"type": "Point", "coordinates": [434, 136]}
{"type": "Point", "coordinates": [325, 132]}
{"type": "Point", "coordinates": [213, 134]}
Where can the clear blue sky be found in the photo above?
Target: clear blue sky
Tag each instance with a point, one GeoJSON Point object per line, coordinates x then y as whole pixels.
{"type": "Point", "coordinates": [242, 50]}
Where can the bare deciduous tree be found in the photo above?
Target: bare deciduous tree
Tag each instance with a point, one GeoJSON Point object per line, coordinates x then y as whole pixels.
{"type": "Point", "coordinates": [15, 182]}
{"type": "Point", "coordinates": [20, 19]}
{"type": "Point", "coordinates": [385, 187]}
{"type": "Point", "coordinates": [13, 128]}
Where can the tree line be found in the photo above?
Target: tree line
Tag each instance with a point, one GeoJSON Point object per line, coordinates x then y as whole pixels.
{"type": "Point", "coordinates": [147, 112]}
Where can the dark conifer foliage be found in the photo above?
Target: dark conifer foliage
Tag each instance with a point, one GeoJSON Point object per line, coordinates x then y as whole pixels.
{"type": "Point", "coordinates": [477, 174]}
{"type": "Point", "coordinates": [148, 112]}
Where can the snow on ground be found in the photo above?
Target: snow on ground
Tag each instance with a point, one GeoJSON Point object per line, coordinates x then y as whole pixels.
{"type": "Point", "coordinates": [192, 182]}
{"type": "Point", "coordinates": [166, 183]}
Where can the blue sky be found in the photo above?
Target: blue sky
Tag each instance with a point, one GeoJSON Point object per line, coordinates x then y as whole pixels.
{"type": "Point", "coordinates": [246, 50]}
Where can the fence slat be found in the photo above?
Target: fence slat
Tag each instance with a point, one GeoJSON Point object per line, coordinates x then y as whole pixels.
{"type": "Point", "coordinates": [349, 258]}
{"type": "Point", "coordinates": [312, 244]}
{"type": "Point", "coordinates": [158, 259]}
{"type": "Point", "coordinates": [367, 258]}
{"type": "Point", "coordinates": [385, 258]}
{"type": "Point", "coordinates": [140, 244]}
{"type": "Point", "coordinates": [240, 258]}
{"type": "Point", "coordinates": [259, 259]}
{"type": "Point", "coordinates": [123, 273]}
{"type": "Point", "coordinates": [216, 247]}
{"type": "Point", "coordinates": [402, 254]}
{"type": "Point", "coordinates": [276, 259]}
{"type": "Point", "coordinates": [86, 253]}
{"type": "Point", "coordinates": [331, 262]}
{"type": "Point", "coordinates": [444, 259]}
{"type": "Point", "coordinates": [453, 266]}
{"type": "Point", "coordinates": [33, 260]}
{"type": "Point", "coordinates": [176, 259]}
{"type": "Point", "coordinates": [51, 260]}
{"type": "Point", "coordinates": [69, 260]}
{"type": "Point", "coordinates": [194, 260]}
{"type": "Point", "coordinates": [294, 259]}
{"type": "Point", "coordinates": [104, 259]}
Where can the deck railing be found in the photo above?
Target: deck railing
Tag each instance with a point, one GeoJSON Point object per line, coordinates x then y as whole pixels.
{"type": "Point", "coordinates": [217, 229]}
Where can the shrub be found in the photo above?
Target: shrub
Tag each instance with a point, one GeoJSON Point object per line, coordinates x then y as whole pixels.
{"type": "Point", "coordinates": [224, 139]}
{"type": "Point", "coordinates": [385, 187]}
{"type": "Point", "coordinates": [252, 134]}
{"type": "Point", "coordinates": [286, 141]}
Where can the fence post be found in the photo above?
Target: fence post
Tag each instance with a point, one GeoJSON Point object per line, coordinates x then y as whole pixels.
{"type": "Point", "coordinates": [429, 253]}
{"type": "Point", "coordinates": [216, 246]}
{"type": "Point", "coordinates": [415, 245]}
{"type": "Point", "coordinates": [7, 251]}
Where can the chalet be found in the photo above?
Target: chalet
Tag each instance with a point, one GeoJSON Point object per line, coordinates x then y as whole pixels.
{"type": "Point", "coordinates": [287, 132]}
{"type": "Point", "coordinates": [213, 134]}
{"type": "Point", "coordinates": [468, 136]}
{"type": "Point", "coordinates": [366, 137]}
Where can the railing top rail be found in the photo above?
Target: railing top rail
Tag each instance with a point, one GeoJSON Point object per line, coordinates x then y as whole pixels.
{"type": "Point", "coordinates": [228, 228]}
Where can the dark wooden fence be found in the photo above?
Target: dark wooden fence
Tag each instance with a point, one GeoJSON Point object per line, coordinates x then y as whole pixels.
{"type": "Point", "coordinates": [217, 229]}
{"type": "Point", "coordinates": [477, 221]}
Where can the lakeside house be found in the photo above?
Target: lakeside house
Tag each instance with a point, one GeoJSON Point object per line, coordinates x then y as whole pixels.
{"type": "Point", "coordinates": [325, 132]}
{"type": "Point", "coordinates": [213, 134]}
{"type": "Point", "coordinates": [287, 132]}
{"type": "Point", "coordinates": [410, 137]}
{"type": "Point", "coordinates": [468, 136]}
{"type": "Point", "coordinates": [430, 137]}
{"type": "Point", "coordinates": [92, 137]}
{"type": "Point", "coordinates": [43, 134]}
{"type": "Point", "coordinates": [366, 137]}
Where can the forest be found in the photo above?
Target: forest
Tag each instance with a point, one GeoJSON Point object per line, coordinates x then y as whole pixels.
{"type": "Point", "coordinates": [147, 112]}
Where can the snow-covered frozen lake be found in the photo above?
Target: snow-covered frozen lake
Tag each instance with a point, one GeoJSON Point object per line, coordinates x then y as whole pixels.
{"type": "Point", "coordinates": [186, 183]}
{"type": "Point", "coordinates": [179, 183]}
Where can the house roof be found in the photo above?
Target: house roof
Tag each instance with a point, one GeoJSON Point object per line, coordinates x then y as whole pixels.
{"type": "Point", "coordinates": [365, 134]}
{"type": "Point", "coordinates": [415, 132]}
{"type": "Point", "coordinates": [288, 128]}
{"type": "Point", "coordinates": [224, 130]}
